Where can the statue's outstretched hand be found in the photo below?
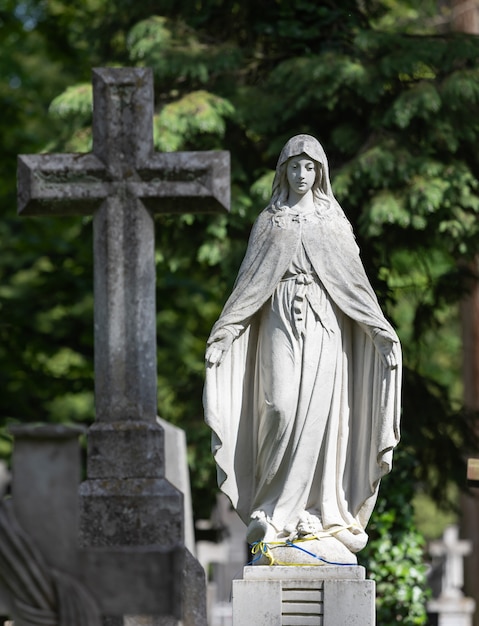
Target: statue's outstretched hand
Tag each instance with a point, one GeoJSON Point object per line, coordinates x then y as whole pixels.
{"type": "Point", "coordinates": [218, 346]}
{"type": "Point", "coordinates": [387, 348]}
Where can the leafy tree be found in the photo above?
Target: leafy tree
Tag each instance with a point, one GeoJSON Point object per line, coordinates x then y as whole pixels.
{"type": "Point", "coordinates": [396, 110]}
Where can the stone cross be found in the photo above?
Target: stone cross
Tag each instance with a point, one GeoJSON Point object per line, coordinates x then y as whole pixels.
{"type": "Point", "coordinates": [453, 550]}
{"type": "Point", "coordinates": [123, 182]}
{"type": "Point", "coordinates": [451, 608]}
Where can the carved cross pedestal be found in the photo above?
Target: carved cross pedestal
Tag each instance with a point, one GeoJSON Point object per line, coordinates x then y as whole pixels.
{"type": "Point", "coordinates": [47, 577]}
{"type": "Point", "coordinates": [125, 500]}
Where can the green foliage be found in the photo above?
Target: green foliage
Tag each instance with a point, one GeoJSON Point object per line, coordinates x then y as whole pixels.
{"type": "Point", "coordinates": [397, 111]}
{"type": "Point", "coordinates": [429, 518]}
{"type": "Point", "coordinates": [395, 553]}
{"type": "Point", "coordinates": [75, 103]}
{"type": "Point", "coordinates": [198, 112]}
{"type": "Point", "coordinates": [394, 556]}
{"type": "Point", "coordinates": [176, 54]}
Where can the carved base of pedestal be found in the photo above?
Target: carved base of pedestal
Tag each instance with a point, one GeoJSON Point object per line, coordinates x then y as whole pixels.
{"type": "Point", "coordinates": [310, 596]}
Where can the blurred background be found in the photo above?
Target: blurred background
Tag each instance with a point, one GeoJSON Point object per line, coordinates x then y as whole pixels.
{"type": "Point", "coordinates": [391, 90]}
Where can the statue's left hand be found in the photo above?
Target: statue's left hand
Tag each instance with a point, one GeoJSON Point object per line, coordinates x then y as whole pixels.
{"type": "Point", "coordinates": [387, 348]}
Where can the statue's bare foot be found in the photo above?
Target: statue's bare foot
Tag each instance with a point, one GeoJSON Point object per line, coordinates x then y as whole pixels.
{"type": "Point", "coordinates": [354, 541]}
{"type": "Point", "coordinates": [308, 525]}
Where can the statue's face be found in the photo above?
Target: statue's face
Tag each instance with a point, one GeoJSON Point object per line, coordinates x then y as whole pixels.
{"type": "Point", "coordinates": [301, 173]}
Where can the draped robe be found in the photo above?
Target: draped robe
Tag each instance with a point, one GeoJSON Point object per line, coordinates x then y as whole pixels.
{"type": "Point", "coordinates": [303, 412]}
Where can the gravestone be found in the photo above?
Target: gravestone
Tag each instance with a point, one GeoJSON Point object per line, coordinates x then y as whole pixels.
{"type": "Point", "coordinates": [46, 578]}
{"type": "Point", "coordinates": [126, 499]}
{"type": "Point", "coordinates": [451, 607]}
{"type": "Point", "coordinates": [176, 472]}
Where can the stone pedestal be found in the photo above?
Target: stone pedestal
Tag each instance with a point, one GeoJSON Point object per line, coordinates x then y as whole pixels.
{"type": "Point", "coordinates": [304, 596]}
{"type": "Point", "coordinates": [452, 611]}
{"type": "Point", "coordinates": [127, 500]}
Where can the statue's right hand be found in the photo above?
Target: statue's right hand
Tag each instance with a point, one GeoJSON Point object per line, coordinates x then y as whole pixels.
{"type": "Point", "coordinates": [218, 346]}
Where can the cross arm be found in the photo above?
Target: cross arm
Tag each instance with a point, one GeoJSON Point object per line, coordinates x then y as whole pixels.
{"type": "Point", "coordinates": [61, 184]}
{"type": "Point", "coordinates": [184, 182]}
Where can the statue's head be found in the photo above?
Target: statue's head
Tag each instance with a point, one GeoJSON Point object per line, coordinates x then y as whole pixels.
{"type": "Point", "coordinates": [310, 147]}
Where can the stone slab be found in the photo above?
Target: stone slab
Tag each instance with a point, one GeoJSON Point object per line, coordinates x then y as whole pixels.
{"type": "Point", "coordinates": [176, 472]}
{"type": "Point", "coordinates": [4, 477]}
{"type": "Point", "coordinates": [321, 572]}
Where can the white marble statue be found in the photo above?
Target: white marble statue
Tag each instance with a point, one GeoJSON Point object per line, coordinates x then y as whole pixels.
{"type": "Point", "coordinates": [303, 371]}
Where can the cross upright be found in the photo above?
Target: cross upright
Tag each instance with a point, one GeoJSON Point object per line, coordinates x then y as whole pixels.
{"type": "Point", "coordinates": [125, 500]}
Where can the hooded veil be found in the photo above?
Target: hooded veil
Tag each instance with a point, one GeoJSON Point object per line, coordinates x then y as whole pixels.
{"type": "Point", "coordinates": [303, 411]}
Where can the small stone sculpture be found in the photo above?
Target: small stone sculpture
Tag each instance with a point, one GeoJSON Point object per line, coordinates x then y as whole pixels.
{"type": "Point", "coordinates": [303, 375]}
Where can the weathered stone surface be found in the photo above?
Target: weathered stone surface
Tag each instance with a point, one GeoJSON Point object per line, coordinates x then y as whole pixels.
{"type": "Point", "coordinates": [349, 602]}
{"type": "Point", "coordinates": [131, 511]}
{"type": "Point", "coordinates": [122, 182]}
{"type": "Point", "coordinates": [126, 499]}
{"type": "Point", "coordinates": [126, 449]}
{"type": "Point", "coordinates": [51, 576]}
{"type": "Point", "coordinates": [194, 607]}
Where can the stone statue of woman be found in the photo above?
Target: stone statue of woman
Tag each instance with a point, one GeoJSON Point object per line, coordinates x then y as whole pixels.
{"type": "Point", "coordinates": [303, 373]}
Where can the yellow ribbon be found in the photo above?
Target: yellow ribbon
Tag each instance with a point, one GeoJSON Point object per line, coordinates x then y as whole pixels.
{"type": "Point", "coordinates": [263, 548]}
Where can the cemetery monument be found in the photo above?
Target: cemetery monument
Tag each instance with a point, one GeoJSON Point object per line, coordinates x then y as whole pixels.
{"type": "Point", "coordinates": [451, 607]}
{"type": "Point", "coordinates": [126, 505]}
{"type": "Point", "coordinates": [303, 382]}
